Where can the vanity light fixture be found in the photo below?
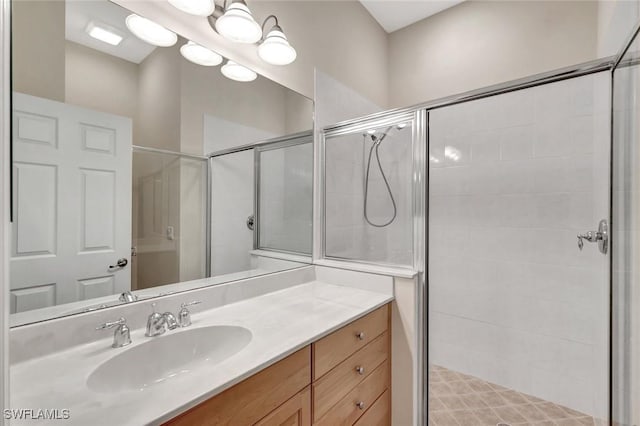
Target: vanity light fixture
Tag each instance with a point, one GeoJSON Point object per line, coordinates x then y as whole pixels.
{"type": "Point", "coordinates": [103, 33]}
{"type": "Point", "coordinates": [200, 55]}
{"type": "Point", "coordinates": [237, 72]}
{"type": "Point", "coordinates": [194, 7]}
{"type": "Point", "coordinates": [275, 48]}
{"type": "Point", "coordinates": [150, 32]}
{"type": "Point", "coordinates": [237, 24]}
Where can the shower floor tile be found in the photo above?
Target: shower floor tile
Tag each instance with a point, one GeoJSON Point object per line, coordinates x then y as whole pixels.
{"type": "Point", "coordinates": [456, 399]}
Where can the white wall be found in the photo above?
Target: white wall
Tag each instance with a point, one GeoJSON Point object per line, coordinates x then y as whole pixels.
{"type": "Point", "coordinates": [513, 301]}
{"type": "Point", "coordinates": [616, 21]}
{"type": "Point", "coordinates": [338, 37]}
{"type": "Point", "coordinates": [480, 43]}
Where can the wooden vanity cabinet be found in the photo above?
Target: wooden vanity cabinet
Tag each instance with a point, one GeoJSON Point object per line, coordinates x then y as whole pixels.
{"type": "Point", "coordinates": [341, 379]}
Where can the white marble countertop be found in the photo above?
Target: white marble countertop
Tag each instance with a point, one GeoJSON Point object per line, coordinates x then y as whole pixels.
{"type": "Point", "coordinates": [280, 322]}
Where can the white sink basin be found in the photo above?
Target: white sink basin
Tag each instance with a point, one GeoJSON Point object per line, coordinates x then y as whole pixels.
{"type": "Point", "coordinates": [171, 355]}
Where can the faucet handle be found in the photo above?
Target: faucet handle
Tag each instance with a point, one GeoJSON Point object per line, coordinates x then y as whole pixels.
{"type": "Point", "coordinates": [184, 316]}
{"type": "Point", "coordinates": [107, 325]}
{"type": "Point", "coordinates": [122, 334]}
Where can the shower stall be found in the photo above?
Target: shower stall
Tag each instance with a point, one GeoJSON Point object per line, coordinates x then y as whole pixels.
{"type": "Point", "coordinates": [516, 206]}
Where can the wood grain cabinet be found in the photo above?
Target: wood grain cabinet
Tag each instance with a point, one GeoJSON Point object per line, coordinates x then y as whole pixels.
{"type": "Point", "coordinates": [342, 379]}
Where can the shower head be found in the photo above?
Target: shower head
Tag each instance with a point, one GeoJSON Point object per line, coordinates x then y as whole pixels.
{"type": "Point", "coordinates": [378, 139]}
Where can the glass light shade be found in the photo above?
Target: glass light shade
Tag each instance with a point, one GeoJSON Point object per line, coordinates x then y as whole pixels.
{"type": "Point", "coordinates": [200, 55]}
{"type": "Point", "coordinates": [238, 72]}
{"type": "Point", "coordinates": [194, 7]}
{"type": "Point", "coordinates": [150, 32]}
{"type": "Point", "coordinates": [237, 24]}
{"type": "Point", "coordinates": [275, 49]}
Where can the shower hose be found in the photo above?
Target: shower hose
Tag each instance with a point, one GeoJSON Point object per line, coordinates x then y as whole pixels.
{"type": "Point", "coordinates": [376, 146]}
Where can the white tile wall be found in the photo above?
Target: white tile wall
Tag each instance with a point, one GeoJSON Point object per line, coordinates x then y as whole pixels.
{"type": "Point", "coordinates": [513, 179]}
{"type": "Point", "coordinates": [348, 235]}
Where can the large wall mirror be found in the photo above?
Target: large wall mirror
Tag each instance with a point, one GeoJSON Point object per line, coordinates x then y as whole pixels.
{"type": "Point", "coordinates": [137, 172]}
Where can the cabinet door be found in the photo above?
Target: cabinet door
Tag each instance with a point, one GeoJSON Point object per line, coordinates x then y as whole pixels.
{"type": "Point", "coordinates": [294, 412]}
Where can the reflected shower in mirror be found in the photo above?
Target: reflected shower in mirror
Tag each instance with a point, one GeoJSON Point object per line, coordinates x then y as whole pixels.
{"type": "Point", "coordinates": [120, 191]}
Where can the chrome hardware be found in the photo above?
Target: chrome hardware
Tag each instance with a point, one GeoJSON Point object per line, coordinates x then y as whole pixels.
{"type": "Point", "coordinates": [155, 323]}
{"type": "Point", "coordinates": [127, 297]}
{"type": "Point", "coordinates": [360, 335]}
{"type": "Point", "coordinates": [170, 321]}
{"type": "Point", "coordinates": [134, 251]}
{"type": "Point", "coordinates": [184, 316]}
{"type": "Point", "coordinates": [601, 236]}
{"type": "Point", "coordinates": [360, 370]}
{"type": "Point", "coordinates": [121, 335]}
{"type": "Point", "coordinates": [251, 220]}
{"type": "Point", "coordinates": [360, 405]}
{"type": "Point", "coordinates": [121, 263]}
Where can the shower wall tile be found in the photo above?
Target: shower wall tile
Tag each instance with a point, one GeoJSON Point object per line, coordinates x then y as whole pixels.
{"type": "Point", "coordinates": [513, 301]}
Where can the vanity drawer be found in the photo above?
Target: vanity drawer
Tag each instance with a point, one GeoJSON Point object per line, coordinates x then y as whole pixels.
{"type": "Point", "coordinates": [379, 414]}
{"type": "Point", "coordinates": [347, 411]}
{"type": "Point", "coordinates": [294, 412]}
{"type": "Point", "coordinates": [253, 398]}
{"type": "Point", "coordinates": [337, 383]}
{"type": "Point", "coordinates": [336, 347]}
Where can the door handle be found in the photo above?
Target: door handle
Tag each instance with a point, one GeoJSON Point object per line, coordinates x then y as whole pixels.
{"type": "Point", "coordinates": [121, 263]}
{"type": "Point", "coordinates": [601, 236]}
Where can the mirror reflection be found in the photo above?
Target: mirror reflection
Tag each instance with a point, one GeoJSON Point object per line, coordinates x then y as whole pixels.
{"type": "Point", "coordinates": [138, 172]}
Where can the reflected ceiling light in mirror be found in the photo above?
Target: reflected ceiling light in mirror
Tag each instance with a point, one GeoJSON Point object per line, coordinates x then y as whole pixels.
{"type": "Point", "coordinates": [150, 32]}
{"type": "Point", "coordinates": [452, 153]}
{"type": "Point", "coordinates": [194, 7]}
{"type": "Point", "coordinates": [237, 24]}
{"type": "Point", "coordinates": [275, 48]}
{"type": "Point", "coordinates": [200, 55]}
{"type": "Point", "coordinates": [238, 72]}
{"type": "Point", "coordinates": [104, 33]}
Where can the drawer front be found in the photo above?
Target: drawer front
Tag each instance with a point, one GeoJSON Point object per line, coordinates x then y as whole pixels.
{"type": "Point", "coordinates": [336, 347]}
{"type": "Point", "coordinates": [254, 398]}
{"type": "Point", "coordinates": [379, 414]}
{"type": "Point", "coordinates": [334, 385]}
{"type": "Point", "coordinates": [356, 402]}
{"type": "Point", "coordinates": [294, 412]}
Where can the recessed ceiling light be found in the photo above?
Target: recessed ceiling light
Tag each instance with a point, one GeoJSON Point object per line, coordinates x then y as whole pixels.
{"type": "Point", "coordinates": [194, 7]}
{"type": "Point", "coordinates": [200, 55]}
{"type": "Point", "coordinates": [149, 31]}
{"type": "Point", "coordinates": [238, 72]}
{"type": "Point", "coordinates": [103, 33]}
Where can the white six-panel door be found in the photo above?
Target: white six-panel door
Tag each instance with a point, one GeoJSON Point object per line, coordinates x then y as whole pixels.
{"type": "Point", "coordinates": [71, 203]}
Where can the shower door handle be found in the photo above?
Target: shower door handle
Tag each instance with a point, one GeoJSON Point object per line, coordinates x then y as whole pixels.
{"type": "Point", "coordinates": [601, 236]}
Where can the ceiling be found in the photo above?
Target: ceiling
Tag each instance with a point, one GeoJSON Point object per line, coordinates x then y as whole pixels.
{"type": "Point", "coordinates": [395, 14]}
{"type": "Point", "coordinates": [78, 14]}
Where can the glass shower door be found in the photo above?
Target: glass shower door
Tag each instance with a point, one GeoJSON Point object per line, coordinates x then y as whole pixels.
{"type": "Point", "coordinates": [626, 240]}
{"type": "Point", "coordinates": [518, 314]}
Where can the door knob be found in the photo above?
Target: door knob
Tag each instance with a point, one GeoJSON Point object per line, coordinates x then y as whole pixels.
{"type": "Point", "coordinates": [121, 263]}
{"type": "Point", "coordinates": [601, 236]}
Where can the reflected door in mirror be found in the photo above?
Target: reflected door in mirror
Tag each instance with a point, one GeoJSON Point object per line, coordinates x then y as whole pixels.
{"type": "Point", "coordinates": [72, 203]}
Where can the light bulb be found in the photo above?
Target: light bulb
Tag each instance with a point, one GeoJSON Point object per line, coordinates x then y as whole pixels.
{"type": "Point", "coordinates": [275, 49]}
{"type": "Point", "coordinates": [194, 7]}
{"type": "Point", "coordinates": [200, 55]}
{"type": "Point", "coordinates": [150, 32]}
{"type": "Point", "coordinates": [238, 72]}
{"type": "Point", "coordinates": [237, 24]}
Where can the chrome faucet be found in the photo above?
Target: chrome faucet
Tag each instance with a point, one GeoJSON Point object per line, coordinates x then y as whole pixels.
{"type": "Point", "coordinates": [158, 323]}
{"type": "Point", "coordinates": [155, 323]}
{"type": "Point", "coordinates": [127, 297]}
{"type": "Point", "coordinates": [121, 335]}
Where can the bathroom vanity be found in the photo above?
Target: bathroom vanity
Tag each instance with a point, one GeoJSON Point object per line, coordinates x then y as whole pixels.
{"type": "Point", "coordinates": [343, 378]}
